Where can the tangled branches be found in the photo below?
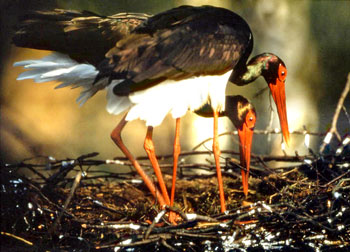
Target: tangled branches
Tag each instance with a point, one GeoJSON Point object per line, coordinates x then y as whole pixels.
{"type": "Point", "coordinates": [70, 204]}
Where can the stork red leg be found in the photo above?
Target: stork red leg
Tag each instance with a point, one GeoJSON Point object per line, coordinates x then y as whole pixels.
{"type": "Point", "coordinates": [177, 150]}
{"type": "Point", "coordinates": [149, 147]}
{"type": "Point", "coordinates": [217, 153]}
{"type": "Point", "coordinates": [116, 137]}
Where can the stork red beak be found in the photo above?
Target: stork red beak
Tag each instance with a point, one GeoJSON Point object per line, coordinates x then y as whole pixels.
{"type": "Point", "coordinates": [279, 96]}
{"type": "Point", "coordinates": [245, 134]}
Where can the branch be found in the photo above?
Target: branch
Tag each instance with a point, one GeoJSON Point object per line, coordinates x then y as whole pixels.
{"type": "Point", "coordinates": [262, 132]}
{"type": "Point", "coordinates": [333, 129]}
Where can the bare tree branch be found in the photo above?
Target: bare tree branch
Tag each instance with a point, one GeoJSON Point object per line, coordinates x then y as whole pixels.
{"type": "Point", "coordinates": [333, 129]}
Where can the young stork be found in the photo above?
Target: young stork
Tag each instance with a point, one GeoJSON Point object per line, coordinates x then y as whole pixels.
{"type": "Point", "coordinates": [243, 116]}
{"type": "Point", "coordinates": [175, 61]}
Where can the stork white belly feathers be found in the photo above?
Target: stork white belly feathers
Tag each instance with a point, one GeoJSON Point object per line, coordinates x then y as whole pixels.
{"type": "Point", "coordinates": [150, 105]}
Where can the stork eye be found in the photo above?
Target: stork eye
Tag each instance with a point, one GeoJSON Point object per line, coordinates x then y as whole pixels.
{"type": "Point", "coordinates": [250, 119]}
{"type": "Point", "coordinates": [282, 72]}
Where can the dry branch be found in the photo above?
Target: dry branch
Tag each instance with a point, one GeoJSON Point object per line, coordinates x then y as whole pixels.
{"type": "Point", "coordinates": [333, 129]}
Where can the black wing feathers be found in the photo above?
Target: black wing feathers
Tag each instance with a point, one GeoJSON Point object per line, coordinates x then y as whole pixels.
{"type": "Point", "coordinates": [84, 36]}
{"type": "Point", "coordinates": [178, 44]}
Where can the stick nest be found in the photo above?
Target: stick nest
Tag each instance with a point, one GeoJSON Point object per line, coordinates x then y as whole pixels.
{"type": "Point", "coordinates": [74, 204]}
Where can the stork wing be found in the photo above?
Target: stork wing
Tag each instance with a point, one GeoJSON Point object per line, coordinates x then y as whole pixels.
{"type": "Point", "coordinates": [178, 44]}
{"type": "Point", "coordinates": [84, 36]}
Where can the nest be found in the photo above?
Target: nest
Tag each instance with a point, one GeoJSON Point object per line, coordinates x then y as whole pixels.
{"type": "Point", "coordinates": [72, 205]}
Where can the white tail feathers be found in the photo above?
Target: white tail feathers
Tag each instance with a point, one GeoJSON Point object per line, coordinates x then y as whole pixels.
{"type": "Point", "coordinates": [116, 104]}
{"type": "Point", "coordinates": [59, 67]}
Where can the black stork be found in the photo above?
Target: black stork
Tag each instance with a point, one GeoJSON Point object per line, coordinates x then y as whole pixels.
{"type": "Point", "coordinates": [243, 116]}
{"type": "Point", "coordinates": [175, 61]}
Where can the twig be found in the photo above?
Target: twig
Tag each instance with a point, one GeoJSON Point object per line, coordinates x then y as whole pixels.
{"type": "Point", "coordinates": [265, 158]}
{"type": "Point", "coordinates": [165, 244]}
{"type": "Point", "coordinates": [155, 221]}
{"type": "Point", "coordinates": [335, 179]}
{"type": "Point", "coordinates": [17, 238]}
{"type": "Point", "coordinates": [333, 129]}
{"type": "Point", "coordinates": [70, 196]}
{"type": "Point", "coordinates": [191, 216]}
{"type": "Point", "coordinates": [52, 203]}
{"type": "Point", "coordinates": [127, 242]}
{"type": "Point", "coordinates": [263, 132]}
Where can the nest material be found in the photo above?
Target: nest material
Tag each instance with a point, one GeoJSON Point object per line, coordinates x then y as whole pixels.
{"type": "Point", "coordinates": [73, 205]}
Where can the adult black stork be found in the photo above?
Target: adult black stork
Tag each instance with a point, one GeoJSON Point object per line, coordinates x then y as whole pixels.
{"type": "Point", "coordinates": [175, 61]}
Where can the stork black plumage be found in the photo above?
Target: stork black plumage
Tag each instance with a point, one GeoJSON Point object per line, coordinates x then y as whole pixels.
{"type": "Point", "coordinates": [175, 61]}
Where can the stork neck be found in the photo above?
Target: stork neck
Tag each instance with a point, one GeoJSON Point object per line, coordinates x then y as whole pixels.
{"type": "Point", "coordinates": [245, 74]}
